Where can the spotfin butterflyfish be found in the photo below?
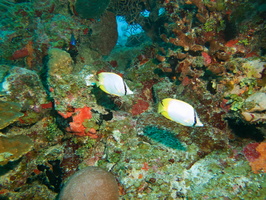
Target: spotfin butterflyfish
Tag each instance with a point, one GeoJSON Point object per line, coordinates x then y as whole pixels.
{"type": "Point", "coordinates": [112, 83]}
{"type": "Point", "coordinates": [179, 111]}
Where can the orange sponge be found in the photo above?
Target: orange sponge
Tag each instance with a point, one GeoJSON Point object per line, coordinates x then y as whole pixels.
{"type": "Point", "coordinates": [259, 164]}
{"type": "Point", "coordinates": [79, 115]}
{"type": "Point", "coordinates": [78, 118]}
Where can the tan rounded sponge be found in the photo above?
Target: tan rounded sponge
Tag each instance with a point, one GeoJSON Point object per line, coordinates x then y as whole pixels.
{"type": "Point", "coordinates": [90, 183]}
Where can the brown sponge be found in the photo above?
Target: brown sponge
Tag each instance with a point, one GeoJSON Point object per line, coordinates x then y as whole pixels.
{"type": "Point", "coordinates": [90, 183]}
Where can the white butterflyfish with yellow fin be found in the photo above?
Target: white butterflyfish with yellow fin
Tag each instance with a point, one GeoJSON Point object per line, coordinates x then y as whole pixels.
{"type": "Point", "coordinates": [179, 111]}
{"type": "Point", "coordinates": [112, 83]}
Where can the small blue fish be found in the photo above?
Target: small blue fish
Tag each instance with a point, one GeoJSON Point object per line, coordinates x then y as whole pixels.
{"type": "Point", "coordinates": [73, 40]}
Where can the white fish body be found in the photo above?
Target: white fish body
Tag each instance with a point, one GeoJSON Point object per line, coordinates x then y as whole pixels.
{"type": "Point", "coordinates": [112, 83]}
{"type": "Point", "coordinates": [179, 111]}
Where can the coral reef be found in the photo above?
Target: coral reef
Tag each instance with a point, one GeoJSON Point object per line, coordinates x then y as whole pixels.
{"type": "Point", "coordinates": [24, 86]}
{"type": "Point", "coordinates": [59, 71]}
{"type": "Point", "coordinates": [60, 63]}
{"type": "Point", "coordinates": [56, 123]}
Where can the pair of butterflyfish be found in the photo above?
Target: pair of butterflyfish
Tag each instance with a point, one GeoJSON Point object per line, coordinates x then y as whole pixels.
{"type": "Point", "coordinates": [112, 83]}
{"type": "Point", "coordinates": [179, 111]}
{"type": "Point", "coordinates": [173, 109]}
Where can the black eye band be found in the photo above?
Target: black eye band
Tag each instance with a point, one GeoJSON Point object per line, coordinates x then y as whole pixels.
{"type": "Point", "coordinates": [195, 118]}
{"type": "Point", "coordinates": [162, 103]}
{"type": "Point", "coordinates": [125, 87]}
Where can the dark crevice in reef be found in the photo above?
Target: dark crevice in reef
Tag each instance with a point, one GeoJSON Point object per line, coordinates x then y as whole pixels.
{"type": "Point", "coordinates": [243, 130]}
{"type": "Point", "coordinates": [49, 176]}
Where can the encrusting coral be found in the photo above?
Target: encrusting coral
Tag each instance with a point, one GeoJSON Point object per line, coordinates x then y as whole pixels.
{"type": "Point", "coordinates": [24, 86]}
{"type": "Point", "coordinates": [9, 113]}
{"type": "Point", "coordinates": [60, 67]}
{"type": "Point", "coordinates": [13, 147]}
{"type": "Point", "coordinates": [60, 63]}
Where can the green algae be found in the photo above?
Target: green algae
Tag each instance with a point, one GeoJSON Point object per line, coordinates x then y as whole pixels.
{"type": "Point", "coordinates": [53, 132]}
{"type": "Point", "coordinates": [236, 102]}
{"type": "Point", "coordinates": [92, 123]}
{"type": "Point", "coordinates": [244, 42]}
{"type": "Point", "coordinates": [30, 117]}
{"type": "Point", "coordinates": [115, 157]}
{"type": "Point", "coordinates": [164, 137]}
{"type": "Point", "coordinates": [85, 143]}
{"type": "Point", "coordinates": [209, 25]}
